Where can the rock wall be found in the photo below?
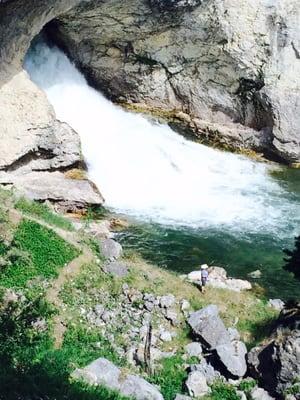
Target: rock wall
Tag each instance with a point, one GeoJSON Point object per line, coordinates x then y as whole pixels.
{"type": "Point", "coordinates": [36, 148]}
{"type": "Point", "coordinates": [229, 71]}
{"type": "Point", "coordinates": [225, 71]}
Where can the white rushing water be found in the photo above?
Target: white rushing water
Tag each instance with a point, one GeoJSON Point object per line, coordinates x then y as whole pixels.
{"type": "Point", "coordinates": [149, 171]}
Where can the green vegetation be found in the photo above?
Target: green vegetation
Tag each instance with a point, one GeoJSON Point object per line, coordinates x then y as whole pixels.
{"type": "Point", "coordinates": [41, 211]}
{"type": "Point", "coordinates": [170, 376]}
{"type": "Point", "coordinates": [223, 391]}
{"type": "Point", "coordinates": [35, 251]}
{"type": "Point", "coordinates": [31, 367]}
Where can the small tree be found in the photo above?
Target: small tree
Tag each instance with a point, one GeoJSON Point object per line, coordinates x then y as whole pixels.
{"type": "Point", "coordinates": [293, 259]}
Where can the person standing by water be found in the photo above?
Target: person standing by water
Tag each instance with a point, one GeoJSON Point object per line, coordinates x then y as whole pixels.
{"type": "Point", "coordinates": [204, 277]}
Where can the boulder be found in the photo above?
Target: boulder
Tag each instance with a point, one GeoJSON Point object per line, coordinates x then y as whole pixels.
{"type": "Point", "coordinates": [116, 268]}
{"type": "Point", "coordinates": [277, 304]}
{"type": "Point", "coordinates": [139, 389]}
{"type": "Point", "coordinates": [165, 336]}
{"type": "Point", "coordinates": [276, 364]}
{"type": "Point", "coordinates": [99, 372]}
{"type": "Point", "coordinates": [105, 373]}
{"type": "Point", "coordinates": [182, 397]}
{"type": "Point", "coordinates": [193, 349]}
{"type": "Point", "coordinates": [233, 357]}
{"type": "Point", "coordinates": [196, 384]}
{"type": "Point", "coordinates": [260, 394]}
{"type": "Point", "coordinates": [110, 249]}
{"type": "Point", "coordinates": [207, 370]}
{"type": "Point", "coordinates": [167, 301]}
{"type": "Point", "coordinates": [255, 274]}
{"type": "Point", "coordinates": [208, 327]}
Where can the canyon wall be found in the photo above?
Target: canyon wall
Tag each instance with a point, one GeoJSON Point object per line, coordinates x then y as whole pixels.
{"type": "Point", "coordinates": [225, 71]}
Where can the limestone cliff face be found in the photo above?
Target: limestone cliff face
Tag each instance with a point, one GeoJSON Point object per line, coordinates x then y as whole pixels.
{"type": "Point", "coordinates": [232, 67]}
{"type": "Point", "coordinates": [36, 148]}
{"type": "Point", "coordinates": [225, 70]}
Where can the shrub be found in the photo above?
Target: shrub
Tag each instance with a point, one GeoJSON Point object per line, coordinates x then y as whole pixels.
{"type": "Point", "coordinates": [223, 391]}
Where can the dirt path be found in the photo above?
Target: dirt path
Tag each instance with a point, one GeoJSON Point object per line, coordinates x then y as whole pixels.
{"type": "Point", "coordinates": [65, 274]}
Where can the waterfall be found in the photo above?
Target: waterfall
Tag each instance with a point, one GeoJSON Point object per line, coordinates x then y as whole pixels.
{"type": "Point", "coordinates": [146, 170]}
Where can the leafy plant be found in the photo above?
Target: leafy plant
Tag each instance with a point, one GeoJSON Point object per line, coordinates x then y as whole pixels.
{"type": "Point", "coordinates": [223, 391]}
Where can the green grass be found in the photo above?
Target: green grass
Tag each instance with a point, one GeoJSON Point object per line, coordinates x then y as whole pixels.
{"type": "Point", "coordinates": [170, 377]}
{"type": "Point", "coordinates": [29, 365]}
{"type": "Point", "coordinates": [223, 391]}
{"type": "Point", "coordinates": [47, 252]}
{"type": "Point", "coordinates": [40, 210]}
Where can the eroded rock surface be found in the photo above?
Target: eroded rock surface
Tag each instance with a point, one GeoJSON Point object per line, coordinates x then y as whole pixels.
{"type": "Point", "coordinates": [234, 83]}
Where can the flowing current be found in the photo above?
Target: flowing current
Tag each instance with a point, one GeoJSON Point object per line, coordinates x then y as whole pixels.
{"type": "Point", "coordinates": [148, 171]}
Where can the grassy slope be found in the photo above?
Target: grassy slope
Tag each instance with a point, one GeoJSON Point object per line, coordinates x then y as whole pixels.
{"type": "Point", "coordinates": [34, 365]}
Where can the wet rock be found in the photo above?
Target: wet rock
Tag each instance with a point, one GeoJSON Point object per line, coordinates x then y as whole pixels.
{"type": "Point", "coordinates": [193, 349]}
{"type": "Point", "coordinates": [110, 249]}
{"type": "Point", "coordinates": [197, 384]}
{"type": "Point", "coordinates": [208, 327]}
{"type": "Point", "coordinates": [116, 268]}
{"type": "Point", "coordinates": [233, 357]}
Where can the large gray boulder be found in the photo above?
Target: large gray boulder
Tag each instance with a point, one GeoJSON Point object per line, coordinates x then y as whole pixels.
{"type": "Point", "coordinates": [139, 389]}
{"type": "Point", "coordinates": [99, 372]}
{"type": "Point", "coordinates": [233, 357]}
{"type": "Point", "coordinates": [110, 249]}
{"type": "Point", "coordinates": [277, 362]}
{"type": "Point", "coordinates": [196, 384]}
{"type": "Point", "coordinates": [104, 372]}
{"type": "Point", "coordinates": [208, 327]}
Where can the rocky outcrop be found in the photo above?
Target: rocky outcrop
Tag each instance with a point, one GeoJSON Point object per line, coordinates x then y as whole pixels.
{"type": "Point", "coordinates": [277, 363]}
{"type": "Point", "coordinates": [233, 84]}
{"type": "Point", "coordinates": [36, 148]}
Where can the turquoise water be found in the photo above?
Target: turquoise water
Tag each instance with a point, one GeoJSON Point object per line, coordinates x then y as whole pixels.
{"type": "Point", "coordinates": [183, 249]}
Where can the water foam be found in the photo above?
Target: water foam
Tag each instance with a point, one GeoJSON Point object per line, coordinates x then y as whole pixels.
{"type": "Point", "coordinates": [148, 171]}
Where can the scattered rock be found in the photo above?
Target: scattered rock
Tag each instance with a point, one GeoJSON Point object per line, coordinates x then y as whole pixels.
{"type": "Point", "coordinates": [185, 305]}
{"type": "Point", "coordinates": [208, 326]}
{"type": "Point", "coordinates": [255, 274]}
{"type": "Point", "coordinates": [241, 395]}
{"type": "Point", "coordinates": [193, 349]}
{"type": "Point", "coordinates": [99, 230]}
{"type": "Point", "coordinates": [172, 317]}
{"type": "Point", "coordinates": [116, 268]}
{"type": "Point", "coordinates": [167, 301]}
{"type": "Point", "coordinates": [277, 304]}
{"type": "Point", "coordinates": [260, 394]}
{"type": "Point", "coordinates": [110, 249]}
{"type": "Point", "coordinates": [165, 336]}
{"type": "Point", "coordinates": [233, 357]}
{"type": "Point", "coordinates": [196, 384]}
